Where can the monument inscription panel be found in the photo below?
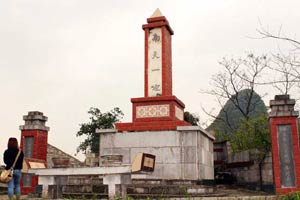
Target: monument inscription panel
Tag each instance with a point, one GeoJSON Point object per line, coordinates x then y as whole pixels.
{"type": "Point", "coordinates": [28, 146]}
{"type": "Point", "coordinates": [286, 156]}
{"type": "Point", "coordinates": [155, 62]}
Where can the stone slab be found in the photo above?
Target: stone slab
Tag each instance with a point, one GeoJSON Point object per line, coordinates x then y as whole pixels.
{"type": "Point", "coordinates": [81, 171]}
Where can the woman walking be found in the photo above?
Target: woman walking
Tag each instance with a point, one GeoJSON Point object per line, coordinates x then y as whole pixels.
{"type": "Point", "coordinates": [9, 158]}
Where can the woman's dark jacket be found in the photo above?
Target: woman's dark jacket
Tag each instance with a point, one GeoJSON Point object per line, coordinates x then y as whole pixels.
{"type": "Point", "coordinates": [9, 157]}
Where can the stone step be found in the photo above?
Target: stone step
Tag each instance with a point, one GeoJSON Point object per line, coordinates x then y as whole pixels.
{"type": "Point", "coordinates": [165, 182]}
{"type": "Point", "coordinates": [173, 182]}
{"type": "Point", "coordinates": [169, 189]}
{"type": "Point", "coordinates": [79, 195]}
{"type": "Point", "coordinates": [136, 196]}
{"type": "Point", "coordinates": [176, 196]}
{"type": "Point", "coordinates": [157, 191]}
{"type": "Point", "coordinates": [85, 189]}
{"type": "Point", "coordinates": [93, 186]}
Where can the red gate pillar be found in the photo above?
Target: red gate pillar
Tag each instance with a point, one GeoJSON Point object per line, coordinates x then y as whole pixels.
{"type": "Point", "coordinates": [34, 142]}
{"type": "Point", "coordinates": [285, 144]}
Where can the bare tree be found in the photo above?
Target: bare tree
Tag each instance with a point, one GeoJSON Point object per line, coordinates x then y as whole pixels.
{"type": "Point", "coordinates": [285, 65]}
{"type": "Point", "coordinates": [288, 75]}
{"type": "Point", "coordinates": [239, 75]}
{"type": "Point", "coordinates": [268, 34]}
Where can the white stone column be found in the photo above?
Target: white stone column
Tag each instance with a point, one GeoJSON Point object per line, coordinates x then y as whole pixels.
{"type": "Point", "coordinates": [46, 181]}
{"type": "Point", "coordinates": [117, 184]}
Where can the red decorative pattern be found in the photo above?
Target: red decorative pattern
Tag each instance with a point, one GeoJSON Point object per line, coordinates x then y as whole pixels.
{"type": "Point", "coordinates": [171, 101]}
{"type": "Point", "coordinates": [153, 111]}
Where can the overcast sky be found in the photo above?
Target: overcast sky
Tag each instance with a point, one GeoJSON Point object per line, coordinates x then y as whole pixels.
{"type": "Point", "coordinates": [62, 57]}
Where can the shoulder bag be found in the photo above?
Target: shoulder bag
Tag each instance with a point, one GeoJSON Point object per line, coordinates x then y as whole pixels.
{"type": "Point", "coordinates": [6, 175]}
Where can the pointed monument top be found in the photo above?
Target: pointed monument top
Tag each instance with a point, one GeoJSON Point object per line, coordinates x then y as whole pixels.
{"type": "Point", "coordinates": [156, 13]}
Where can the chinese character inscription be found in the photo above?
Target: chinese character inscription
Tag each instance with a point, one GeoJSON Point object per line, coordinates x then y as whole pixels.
{"type": "Point", "coordinates": [155, 55]}
{"type": "Point", "coordinates": [286, 156]}
{"type": "Point", "coordinates": [155, 62]}
{"type": "Point", "coordinates": [155, 37]}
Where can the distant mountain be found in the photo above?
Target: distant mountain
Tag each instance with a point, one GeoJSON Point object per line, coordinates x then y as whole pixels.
{"type": "Point", "coordinates": [232, 115]}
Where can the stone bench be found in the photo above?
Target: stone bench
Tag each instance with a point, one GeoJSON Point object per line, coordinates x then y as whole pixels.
{"type": "Point", "coordinates": [117, 178]}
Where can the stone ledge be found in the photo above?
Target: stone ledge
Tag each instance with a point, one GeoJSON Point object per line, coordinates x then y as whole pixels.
{"type": "Point", "coordinates": [34, 127]}
{"type": "Point", "coordinates": [81, 171]}
{"type": "Point", "coordinates": [284, 114]}
{"type": "Point", "coordinates": [195, 128]}
{"type": "Point", "coordinates": [103, 131]}
{"type": "Point", "coordinates": [282, 102]}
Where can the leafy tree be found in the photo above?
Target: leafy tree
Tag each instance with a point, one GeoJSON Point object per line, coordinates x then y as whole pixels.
{"type": "Point", "coordinates": [98, 120]}
{"type": "Point", "coordinates": [254, 136]}
{"type": "Point", "coordinates": [191, 118]}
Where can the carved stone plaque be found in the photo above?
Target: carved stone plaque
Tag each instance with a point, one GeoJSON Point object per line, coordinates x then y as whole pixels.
{"type": "Point", "coordinates": [28, 146]}
{"type": "Point", "coordinates": [26, 180]}
{"type": "Point", "coordinates": [286, 156]}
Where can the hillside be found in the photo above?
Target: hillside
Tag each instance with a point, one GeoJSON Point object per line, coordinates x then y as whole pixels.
{"type": "Point", "coordinates": [230, 116]}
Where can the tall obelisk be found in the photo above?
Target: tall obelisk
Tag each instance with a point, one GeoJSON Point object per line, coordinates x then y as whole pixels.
{"type": "Point", "coordinates": [159, 109]}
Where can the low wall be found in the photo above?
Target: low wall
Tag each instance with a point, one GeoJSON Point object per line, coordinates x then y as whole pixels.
{"type": "Point", "coordinates": [250, 174]}
{"type": "Point", "coordinates": [242, 166]}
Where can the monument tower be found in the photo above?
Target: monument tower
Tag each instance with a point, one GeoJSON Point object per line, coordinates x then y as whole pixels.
{"type": "Point", "coordinates": [159, 109]}
{"type": "Point", "coordinates": [183, 152]}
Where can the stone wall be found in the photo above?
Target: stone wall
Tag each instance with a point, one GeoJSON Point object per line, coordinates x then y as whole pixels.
{"type": "Point", "coordinates": [250, 174]}
{"type": "Point", "coordinates": [186, 153]}
{"type": "Point", "coordinates": [54, 152]}
{"type": "Point", "coordinates": [241, 165]}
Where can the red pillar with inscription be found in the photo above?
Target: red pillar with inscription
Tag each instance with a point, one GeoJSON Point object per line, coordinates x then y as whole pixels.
{"type": "Point", "coordinates": [159, 109]}
{"type": "Point", "coordinates": [34, 143]}
{"type": "Point", "coordinates": [285, 144]}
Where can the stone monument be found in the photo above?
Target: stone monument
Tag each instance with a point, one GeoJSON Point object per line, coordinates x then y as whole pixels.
{"type": "Point", "coordinates": [285, 144]}
{"type": "Point", "coordinates": [182, 151]}
{"type": "Point", "coordinates": [34, 143]}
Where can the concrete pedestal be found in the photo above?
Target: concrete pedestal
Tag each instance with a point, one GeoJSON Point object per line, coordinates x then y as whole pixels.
{"type": "Point", "coordinates": [185, 153]}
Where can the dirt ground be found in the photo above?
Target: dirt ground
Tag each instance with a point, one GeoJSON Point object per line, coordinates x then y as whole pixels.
{"type": "Point", "coordinates": [221, 192]}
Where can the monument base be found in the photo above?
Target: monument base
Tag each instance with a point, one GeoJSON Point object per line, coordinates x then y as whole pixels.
{"type": "Point", "coordinates": [155, 114]}
{"type": "Point", "coordinates": [182, 154]}
{"type": "Point", "coordinates": [150, 126]}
